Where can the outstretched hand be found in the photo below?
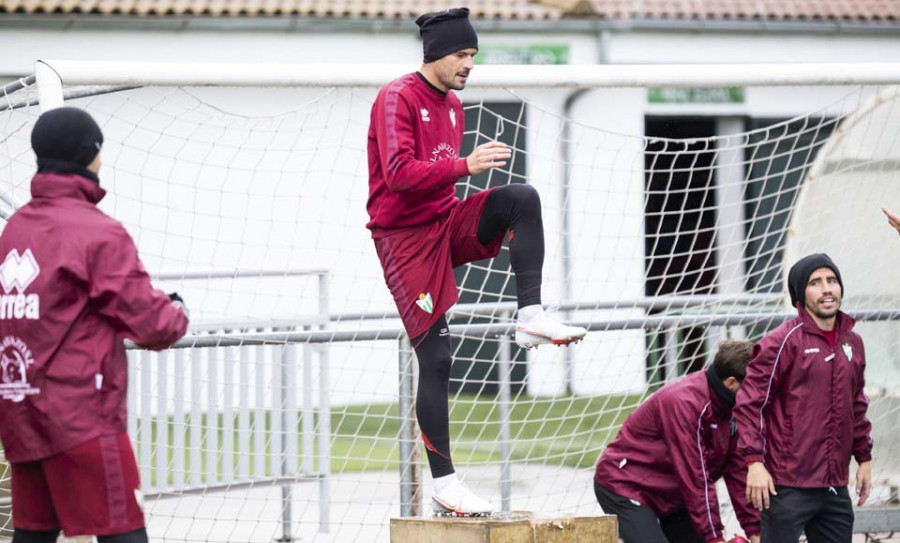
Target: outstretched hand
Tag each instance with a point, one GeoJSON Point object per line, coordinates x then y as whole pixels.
{"type": "Point", "coordinates": [492, 154]}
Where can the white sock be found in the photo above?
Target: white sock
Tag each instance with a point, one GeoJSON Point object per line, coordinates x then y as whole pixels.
{"type": "Point", "coordinates": [529, 312]}
{"type": "Point", "coordinates": [445, 482]}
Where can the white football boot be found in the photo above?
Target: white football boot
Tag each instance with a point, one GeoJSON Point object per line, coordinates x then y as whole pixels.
{"type": "Point", "coordinates": [546, 329]}
{"type": "Point", "coordinates": [458, 501]}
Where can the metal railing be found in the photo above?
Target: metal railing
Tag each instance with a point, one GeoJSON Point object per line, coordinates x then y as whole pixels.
{"type": "Point", "coordinates": [287, 348]}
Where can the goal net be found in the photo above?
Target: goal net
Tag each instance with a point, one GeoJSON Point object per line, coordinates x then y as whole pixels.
{"type": "Point", "coordinates": [671, 216]}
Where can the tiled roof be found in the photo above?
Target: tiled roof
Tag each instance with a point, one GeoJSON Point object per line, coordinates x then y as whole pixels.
{"type": "Point", "coordinates": [721, 10]}
{"type": "Point", "coordinates": [370, 9]}
{"type": "Point", "coordinates": [796, 10]}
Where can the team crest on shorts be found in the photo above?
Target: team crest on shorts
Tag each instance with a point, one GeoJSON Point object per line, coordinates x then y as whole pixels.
{"type": "Point", "coordinates": [15, 357]}
{"type": "Point", "coordinates": [848, 351]}
{"type": "Point", "coordinates": [424, 302]}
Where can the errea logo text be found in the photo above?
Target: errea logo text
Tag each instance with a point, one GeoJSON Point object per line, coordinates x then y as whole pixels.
{"type": "Point", "coordinates": [17, 272]}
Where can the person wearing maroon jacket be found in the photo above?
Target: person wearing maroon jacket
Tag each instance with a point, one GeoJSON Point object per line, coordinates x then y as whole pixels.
{"type": "Point", "coordinates": [801, 414]}
{"type": "Point", "coordinates": [73, 289]}
{"type": "Point", "coordinates": [658, 476]}
{"type": "Point", "coordinates": [422, 230]}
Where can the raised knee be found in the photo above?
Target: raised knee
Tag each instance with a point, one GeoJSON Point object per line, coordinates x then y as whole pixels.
{"type": "Point", "coordinates": [523, 194]}
{"type": "Point", "coordinates": [529, 197]}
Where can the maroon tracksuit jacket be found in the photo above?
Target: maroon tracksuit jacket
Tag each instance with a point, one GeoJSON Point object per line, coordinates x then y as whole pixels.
{"type": "Point", "coordinates": [73, 289]}
{"type": "Point", "coordinates": [415, 134]}
{"type": "Point", "coordinates": [670, 452]}
{"type": "Point", "coordinates": [802, 407]}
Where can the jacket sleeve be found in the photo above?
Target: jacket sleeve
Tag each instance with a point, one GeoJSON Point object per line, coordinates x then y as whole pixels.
{"type": "Point", "coordinates": [761, 382]}
{"type": "Point", "coordinates": [120, 290]}
{"type": "Point", "coordinates": [862, 428]}
{"type": "Point", "coordinates": [736, 482]}
{"type": "Point", "coordinates": [394, 124]}
{"type": "Point", "coordinates": [680, 423]}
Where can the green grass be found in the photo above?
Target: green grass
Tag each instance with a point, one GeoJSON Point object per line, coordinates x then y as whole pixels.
{"type": "Point", "coordinates": [567, 431]}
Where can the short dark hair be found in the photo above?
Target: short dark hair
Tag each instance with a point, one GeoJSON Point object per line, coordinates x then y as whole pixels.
{"type": "Point", "coordinates": [732, 358]}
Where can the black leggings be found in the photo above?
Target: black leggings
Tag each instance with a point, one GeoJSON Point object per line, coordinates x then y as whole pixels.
{"type": "Point", "coordinates": [30, 536]}
{"type": "Point", "coordinates": [432, 409]}
{"type": "Point", "coordinates": [516, 208]}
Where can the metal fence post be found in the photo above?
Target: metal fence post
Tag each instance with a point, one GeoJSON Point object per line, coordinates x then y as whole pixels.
{"type": "Point", "coordinates": [286, 361]}
{"type": "Point", "coordinates": [504, 368]}
{"type": "Point", "coordinates": [670, 354]}
{"type": "Point", "coordinates": [324, 413]}
{"type": "Point", "coordinates": [409, 452]}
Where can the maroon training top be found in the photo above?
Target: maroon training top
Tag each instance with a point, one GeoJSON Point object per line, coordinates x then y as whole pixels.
{"type": "Point", "coordinates": [73, 289]}
{"type": "Point", "coordinates": [415, 133]}
{"type": "Point", "coordinates": [802, 408]}
{"type": "Point", "coordinates": [670, 452]}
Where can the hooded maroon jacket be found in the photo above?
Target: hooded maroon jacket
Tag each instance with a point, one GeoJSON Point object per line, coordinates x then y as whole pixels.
{"type": "Point", "coordinates": [670, 452]}
{"type": "Point", "coordinates": [802, 408]}
{"type": "Point", "coordinates": [73, 290]}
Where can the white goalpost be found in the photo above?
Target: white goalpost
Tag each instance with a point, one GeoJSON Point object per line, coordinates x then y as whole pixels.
{"type": "Point", "coordinates": [288, 410]}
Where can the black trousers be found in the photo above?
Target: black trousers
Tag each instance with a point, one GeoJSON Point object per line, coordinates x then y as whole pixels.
{"type": "Point", "coordinates": [824, 514]}
{"type": "Point", "coordinates": [638, 524]}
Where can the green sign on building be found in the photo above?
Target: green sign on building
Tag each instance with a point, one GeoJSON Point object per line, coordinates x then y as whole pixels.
{"type": "Point", "coordinates": [522, 54]}
{"type": "Point", "coordinates": [671, 95]}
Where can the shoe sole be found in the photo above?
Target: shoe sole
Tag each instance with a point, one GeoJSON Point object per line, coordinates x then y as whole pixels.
{"type": "Point", "coordinates": [532, 340]}
{"type": "Point", "coordinates": [442, 510]}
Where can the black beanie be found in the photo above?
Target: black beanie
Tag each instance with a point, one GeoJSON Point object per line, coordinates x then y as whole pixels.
{"type": "Point", "coordinates": [800, 272]}
{"type": "Point", "coordinates": [66, 140]}
{"type": "Point", "coordinates": [446, 32]}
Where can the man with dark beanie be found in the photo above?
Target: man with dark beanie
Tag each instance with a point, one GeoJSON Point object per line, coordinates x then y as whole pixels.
{"type": "Point", "coordinates": [659, 475]}
{"type": "Point", "coordinates": [73, 289]}
{"type": "Point", "coordinates": [422, 230]}
{"type": "Point", "coordinates": [801, 414]}
{"type": "Point", "coordinates": [67, 140]}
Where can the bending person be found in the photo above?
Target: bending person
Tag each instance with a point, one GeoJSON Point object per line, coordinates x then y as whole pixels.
{"type": "Point", "coordinates": [659, 475]}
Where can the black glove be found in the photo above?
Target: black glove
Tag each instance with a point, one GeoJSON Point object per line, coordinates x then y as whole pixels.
{"type": "Point", "coordinates": [177, 301]}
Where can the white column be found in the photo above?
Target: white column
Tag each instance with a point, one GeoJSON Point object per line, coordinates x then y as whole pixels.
{"type": "Point", "coordinates": [730, 182]}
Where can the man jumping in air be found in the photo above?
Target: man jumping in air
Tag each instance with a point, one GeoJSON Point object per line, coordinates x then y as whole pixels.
{"type": "Point", "coordinates": [422, 230]}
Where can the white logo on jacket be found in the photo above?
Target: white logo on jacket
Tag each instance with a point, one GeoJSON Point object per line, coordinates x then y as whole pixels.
{"type": "Point", "coordinates": [453, 117]}
{"type": "Point", "coordinates": [17, 272]}
{"type": "Point", "coordinates": [442, 151]}
{"type": "Point", "coordinates": [425, 117]}
{"type": "Point", "coordinates": [15, 357]}
{"type": "Point", "coordinates": [848, 351]}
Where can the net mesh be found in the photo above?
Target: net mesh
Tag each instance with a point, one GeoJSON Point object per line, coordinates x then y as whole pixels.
{"type": "Point", "coordinates": [286, 413]}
